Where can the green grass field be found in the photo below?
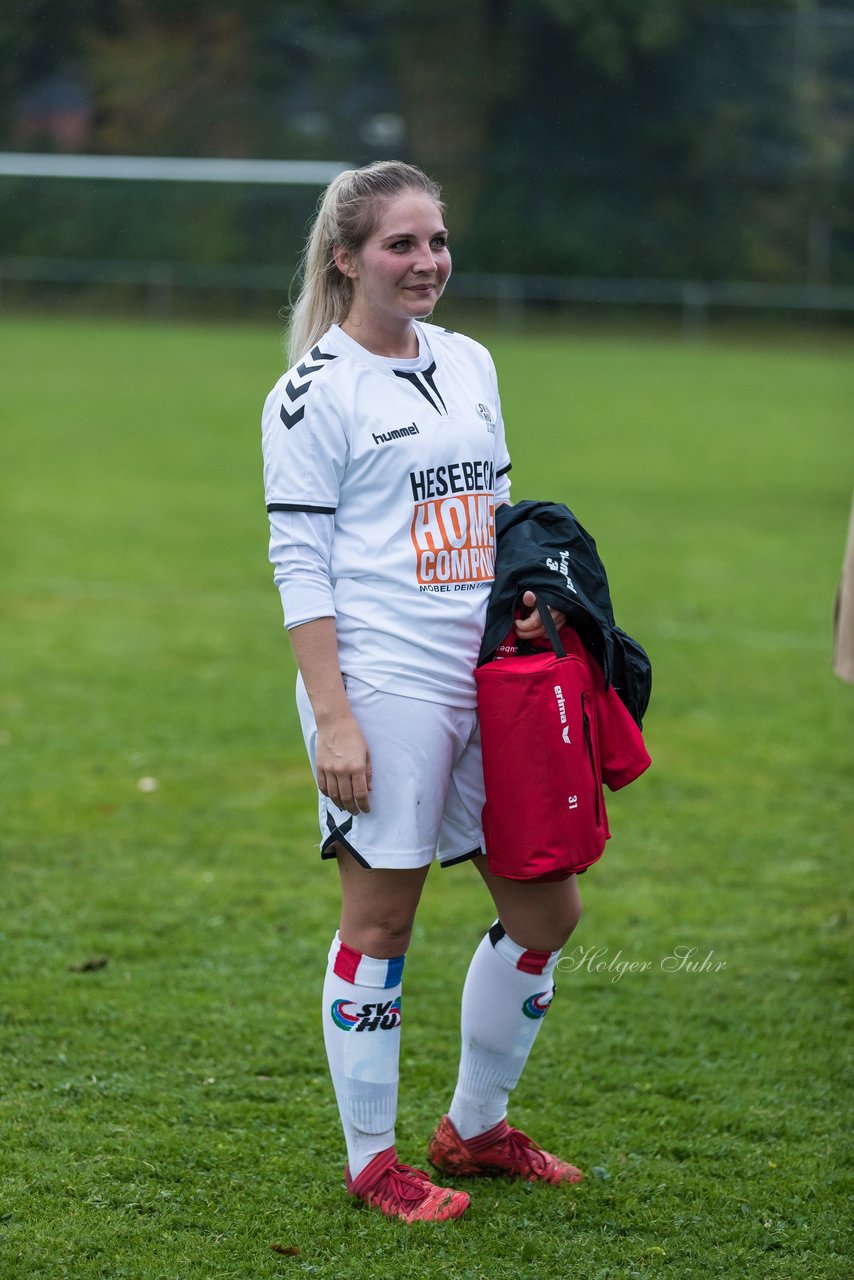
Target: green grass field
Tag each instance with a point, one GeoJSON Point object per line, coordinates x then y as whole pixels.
{"type": "Point", "coordinates": [166, 1115]}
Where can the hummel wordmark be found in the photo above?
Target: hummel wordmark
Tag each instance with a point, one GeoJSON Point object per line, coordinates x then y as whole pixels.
{"type": "Point", "coordinates": [399, 432]}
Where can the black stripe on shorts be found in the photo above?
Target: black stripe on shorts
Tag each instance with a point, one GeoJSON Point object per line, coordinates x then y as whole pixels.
{"type": "Point", "coordinates": [337, 835]}
{"type": "Point", "coordinates": [463, 857]}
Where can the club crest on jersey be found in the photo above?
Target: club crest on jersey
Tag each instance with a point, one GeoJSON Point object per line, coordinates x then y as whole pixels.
{"type": "Point", "coordinates": [537, 1006]}
{"type": "Point", "coordinates": [484, 411]}
{"type": "Point", "coordinates": [379, 1016]}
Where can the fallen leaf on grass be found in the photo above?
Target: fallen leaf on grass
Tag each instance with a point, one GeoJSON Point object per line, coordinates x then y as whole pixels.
{"type": "Point", "coordinates": [90, 965]}
{"type": "Point", "coordinates": [289, 1250]}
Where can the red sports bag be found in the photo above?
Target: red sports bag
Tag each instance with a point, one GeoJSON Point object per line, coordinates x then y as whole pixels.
{"type": "Point", "coordinates": [544, 817]}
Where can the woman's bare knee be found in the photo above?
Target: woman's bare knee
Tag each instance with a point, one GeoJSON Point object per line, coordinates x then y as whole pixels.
{"type": "Point", "coordinates": [382, 939]}
{"type": "Point", "coordinates": [378, 907]}
{"type": "Point", "coordinates": [538, 916]}
{"type": "Point", "coordinates": [383, 934]}
{"type": "Point", "coordinates": [541, 930]}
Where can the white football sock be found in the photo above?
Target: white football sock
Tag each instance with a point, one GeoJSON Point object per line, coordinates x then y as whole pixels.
{"type": "Point", "coordinates": [361, 1029]}
{"type": "Point", "coordinates": [507, 992]}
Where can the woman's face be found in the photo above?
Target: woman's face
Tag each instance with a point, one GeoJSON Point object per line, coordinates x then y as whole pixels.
{"type": "Point", "coordinates": [399, 273]}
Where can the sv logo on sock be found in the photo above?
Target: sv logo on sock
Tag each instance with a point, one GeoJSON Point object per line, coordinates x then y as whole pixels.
{"type": "Point", "coordinates": [370, 1017]}
{"type": "Point", "coordinates": [537, 1006]}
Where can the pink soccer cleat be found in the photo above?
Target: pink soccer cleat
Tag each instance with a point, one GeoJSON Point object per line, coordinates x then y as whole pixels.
{"type": "Point", "coordinates": [501, 1150]}
{"type": "Point", "coordinates": [399, 1191]}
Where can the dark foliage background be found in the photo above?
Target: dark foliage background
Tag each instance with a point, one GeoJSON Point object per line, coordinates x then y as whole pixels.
{"type": "Point", "coordinates": [591, 137]}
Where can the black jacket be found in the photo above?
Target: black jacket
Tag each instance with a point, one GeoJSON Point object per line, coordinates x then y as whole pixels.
{"type": "Point", "coordinates": [541, 547]}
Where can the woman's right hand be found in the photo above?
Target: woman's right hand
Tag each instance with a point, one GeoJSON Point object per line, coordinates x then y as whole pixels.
{"type": "Point", "coordinates": [343, 764]}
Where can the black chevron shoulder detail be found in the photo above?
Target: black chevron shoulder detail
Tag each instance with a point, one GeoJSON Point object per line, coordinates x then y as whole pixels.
{"type": "Point", "coordinates": [294, 390]}
{"type": "Point", "coordinates": [319, 357]}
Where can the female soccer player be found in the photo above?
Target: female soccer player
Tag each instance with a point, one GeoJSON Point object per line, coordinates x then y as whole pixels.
{"type": "Point", "coordinates": [384, 458]}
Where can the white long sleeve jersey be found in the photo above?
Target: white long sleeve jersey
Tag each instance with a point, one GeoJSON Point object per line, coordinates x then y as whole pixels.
{"type": "Point", "coordinates": [381, 478]}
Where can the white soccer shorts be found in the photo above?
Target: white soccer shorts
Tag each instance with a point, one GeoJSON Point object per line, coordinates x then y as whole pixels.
{"type": "Point", "coordinates": [427, 795]}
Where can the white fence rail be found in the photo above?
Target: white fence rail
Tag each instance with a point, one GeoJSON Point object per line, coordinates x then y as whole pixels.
{"type": "Point", "coordinates": [22, 164]}
{"type": "Point", "coordinates": [512, 293]}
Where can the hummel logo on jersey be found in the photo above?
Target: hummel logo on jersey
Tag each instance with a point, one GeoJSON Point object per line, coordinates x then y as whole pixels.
{"type": "Point", "coordinates": [294, 390]}
{"type": "Point", "coordinates": [385, 436]}
{"type": "Point", "coordinates": [380, 1016]}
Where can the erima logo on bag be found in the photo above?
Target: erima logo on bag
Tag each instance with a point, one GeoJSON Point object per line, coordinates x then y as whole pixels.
{"type": "Point", "coordinates": [381, 1016]}
{"type": "Point", "coordinates": [561, 706]}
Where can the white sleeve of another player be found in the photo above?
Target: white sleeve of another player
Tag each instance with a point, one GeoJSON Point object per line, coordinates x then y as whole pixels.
{"type": "Point", "coordinates": [301, 553]}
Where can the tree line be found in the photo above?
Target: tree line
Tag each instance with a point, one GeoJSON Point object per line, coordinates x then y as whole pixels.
{"type": "Point", "coordinates": [590, 137]}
